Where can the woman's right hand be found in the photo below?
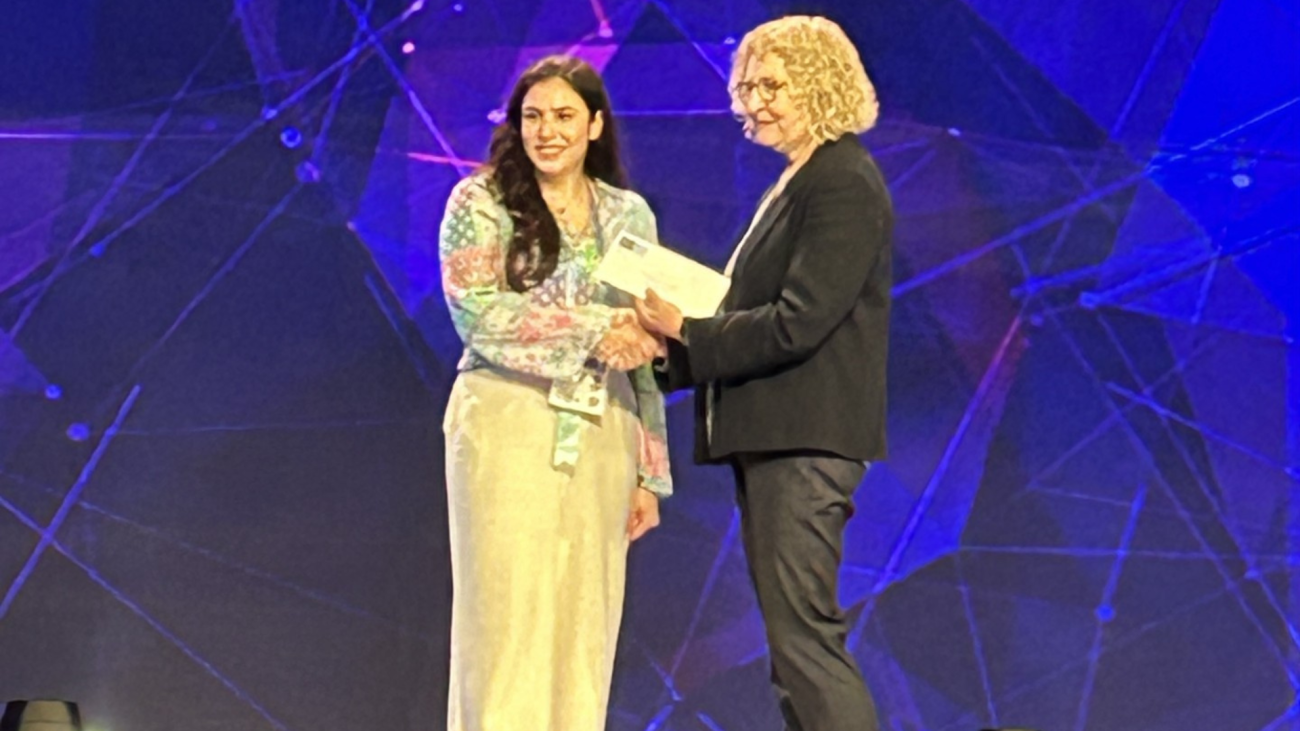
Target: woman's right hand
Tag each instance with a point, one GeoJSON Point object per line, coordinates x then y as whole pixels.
{"type": "Point", "coordinates": [627, 345]}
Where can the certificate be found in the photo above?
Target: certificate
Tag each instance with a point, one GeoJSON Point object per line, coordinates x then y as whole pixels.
{"type": "Point", "coordinates": [634, 265]}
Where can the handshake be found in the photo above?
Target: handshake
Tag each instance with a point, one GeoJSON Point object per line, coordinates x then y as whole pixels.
{"type": "Point", "coordinates": [627, 345]}
{"type": "Point", "coordinates": [639, 336]}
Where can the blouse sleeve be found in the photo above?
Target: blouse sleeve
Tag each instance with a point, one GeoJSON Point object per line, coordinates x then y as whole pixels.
{"type": "Point", "coordinates": [506, 328]}
{"type": "Point", "coordinates": [653, 472]}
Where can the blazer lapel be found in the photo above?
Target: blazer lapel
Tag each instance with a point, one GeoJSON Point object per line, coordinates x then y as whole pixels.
{"type": "Point", "coordinates": [779, 206]}
{"type": "Point", "coordinates": [761, 230]}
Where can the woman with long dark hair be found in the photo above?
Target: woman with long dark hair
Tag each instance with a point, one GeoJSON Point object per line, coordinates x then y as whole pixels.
{"type": "Point", "coordinates": [556, 449]}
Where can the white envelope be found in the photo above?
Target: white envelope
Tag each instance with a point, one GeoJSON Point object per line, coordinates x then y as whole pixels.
{"type": "Point", "coordinates": [634, 265]}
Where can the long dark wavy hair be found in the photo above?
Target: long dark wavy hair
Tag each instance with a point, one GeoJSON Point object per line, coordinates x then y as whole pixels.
{"type": "Point", "coordinates": [535, 247]}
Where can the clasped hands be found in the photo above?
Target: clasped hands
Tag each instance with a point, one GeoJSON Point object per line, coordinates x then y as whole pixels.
{"type": "Point", "coordinates": [638, 336]}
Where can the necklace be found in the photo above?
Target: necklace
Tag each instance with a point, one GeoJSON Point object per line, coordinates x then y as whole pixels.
{"type": "Point", "coordinates": [575, 220]}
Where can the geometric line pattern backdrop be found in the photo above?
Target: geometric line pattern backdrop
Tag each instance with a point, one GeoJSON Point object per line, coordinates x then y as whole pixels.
{"type": "Point", "coordinates": [224, 358]}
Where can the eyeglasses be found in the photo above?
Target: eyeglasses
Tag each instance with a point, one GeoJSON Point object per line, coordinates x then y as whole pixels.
{"type": "Point", "coordinates": [767, 89]}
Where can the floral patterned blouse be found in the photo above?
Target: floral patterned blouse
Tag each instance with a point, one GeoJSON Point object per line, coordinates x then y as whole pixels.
{"type": "Point", "coordinates": [551, 330]}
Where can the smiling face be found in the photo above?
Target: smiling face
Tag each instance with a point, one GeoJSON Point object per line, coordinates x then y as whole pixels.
{"type": "Point", "coordinates": [765, 106]}
{"type": "Point", "coordinates": [557, 127]}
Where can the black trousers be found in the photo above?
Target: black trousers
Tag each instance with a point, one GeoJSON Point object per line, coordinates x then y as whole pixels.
{"type": "Point", "coordinates": [793, 509]}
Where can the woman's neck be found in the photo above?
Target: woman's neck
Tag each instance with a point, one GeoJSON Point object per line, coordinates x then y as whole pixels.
{"type": "Point", "coordinates": [796, 157]}
{"type": "Point", "coordinates": [562, 190]}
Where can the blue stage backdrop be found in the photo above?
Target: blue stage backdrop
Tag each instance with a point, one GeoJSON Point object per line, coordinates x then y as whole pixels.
{"type": "Point", "coordinates": [224, 356]}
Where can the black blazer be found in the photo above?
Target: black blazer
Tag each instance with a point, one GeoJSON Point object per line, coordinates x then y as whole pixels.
{"type": "Point", "coordinates": [797, 356]}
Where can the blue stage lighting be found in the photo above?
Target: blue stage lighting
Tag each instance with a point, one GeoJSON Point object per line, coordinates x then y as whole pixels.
{"type": "Point", "coordinates": [307, 172]}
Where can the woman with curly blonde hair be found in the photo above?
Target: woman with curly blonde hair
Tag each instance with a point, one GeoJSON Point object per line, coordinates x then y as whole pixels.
{"type": "Point", "coordinates": [790, 374]}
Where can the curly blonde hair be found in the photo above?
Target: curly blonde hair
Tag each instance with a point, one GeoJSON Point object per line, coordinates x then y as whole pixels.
{"type": "Point", "coordinates": [827, 79]}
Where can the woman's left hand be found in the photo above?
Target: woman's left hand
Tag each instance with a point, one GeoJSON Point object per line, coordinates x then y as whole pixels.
{"type": "Point", "coordinates": [645, 513]}
{"type": "Point", "coordinates": [659, 316]}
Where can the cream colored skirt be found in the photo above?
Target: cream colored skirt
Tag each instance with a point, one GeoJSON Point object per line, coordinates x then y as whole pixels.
{"type": "Point", "coordinates": [539, 556]}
